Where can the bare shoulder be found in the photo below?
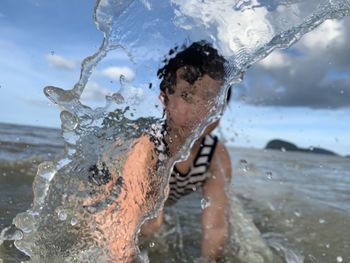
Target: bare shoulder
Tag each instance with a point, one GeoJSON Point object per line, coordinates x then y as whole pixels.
{"type": "Point", "coordinates": [221, 161]}
{"type": "Point", "coordinates": [144, 141]}
{"type": "Point", "coordinates": [222, 152]}
{"type": "Point", "coordinates": [138, 168]}
{"type": "Point", "coordinates": [142, 150]}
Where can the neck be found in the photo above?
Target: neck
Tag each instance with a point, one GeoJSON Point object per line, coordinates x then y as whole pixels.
{"type": "Point", "coordinates": [176, 139]}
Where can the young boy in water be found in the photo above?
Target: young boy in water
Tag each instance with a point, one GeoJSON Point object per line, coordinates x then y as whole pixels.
{"type": "Point", "coordinates": [190, 84]}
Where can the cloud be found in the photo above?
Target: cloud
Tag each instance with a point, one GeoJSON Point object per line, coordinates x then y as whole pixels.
{"type": "Point", "coordinates": [318, 79]}
{"type": "Point", "coordinates": [147, 4]}
{"type": "Point", "coordinates": [94, 92]}
{"type": "Point", "coordinates": [277, 59]}
{"type": "Point", "coordinates": [38, 102]}
{"type": "Point", "coordinates": [131, 92]}
{"type": "Point", "coordinates": [60, 62]}
{"type": "Point", "coordinates": [115, 73]}
{"type": "Point", "coordinates": [97, 93]}
{"type": "Point", "coordinates": [329, 33]}
{"type": "Point", "coordinates": [234, 26]}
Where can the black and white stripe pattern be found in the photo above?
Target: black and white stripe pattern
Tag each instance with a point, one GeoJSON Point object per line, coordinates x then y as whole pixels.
{"type": "Point", "coordinates": [183, 184]}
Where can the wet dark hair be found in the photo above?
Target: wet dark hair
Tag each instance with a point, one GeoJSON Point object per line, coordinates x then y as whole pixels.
{"type": "Point", "coordinates": [200, 58]}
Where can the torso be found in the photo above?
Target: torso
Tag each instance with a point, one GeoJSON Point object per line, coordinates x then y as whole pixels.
{"type": "Point", "coordinates": [183, 183]}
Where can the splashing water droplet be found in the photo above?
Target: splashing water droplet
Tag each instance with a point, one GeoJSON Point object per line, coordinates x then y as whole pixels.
{"type": "Point", "coordinates": [152, 244]}
{"type": "Point", "coordinates": [297, 214]}
{"type": "Point", "coordinates": [11, 233]}
{"type": "Point", "coordinates": [73, 221]}
{"type": "Point", "coordinates": [62, 215]}
{"type": "Point", "coordinates": [269, 175]}
{"type": "Point", "coordinates": [47, 170]}
{"type": "Point", "coordinates": [18, 235]}
{"type": "Point", "coordinates": [283, 149]}
{"type": "Point", "coordinates": [311, 148]}
{"type": "Point", "coordinates": [69, 120]}
{"type": "Point", "coordinates": [205, 203]}
{"type": "Point", "coordinates": [321, 221]}
{"type": "Point", "coordinates": [242, 4]}
{"type": "Point", "coordinates": [116, 97]}
{"type": "Point", "coordinates": [25, 222]}
{"type": "Point", "coordinates": [243, 164]}
{"type": "Point", "coordinates": [339, 259]}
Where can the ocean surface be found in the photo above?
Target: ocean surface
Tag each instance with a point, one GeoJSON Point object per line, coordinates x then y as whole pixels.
{"type": "Point", "coordinates": [300, 202]}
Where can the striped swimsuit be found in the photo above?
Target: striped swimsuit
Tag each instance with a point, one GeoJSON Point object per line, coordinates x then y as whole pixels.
{"type": "Point", "coordinates": [183, 184]}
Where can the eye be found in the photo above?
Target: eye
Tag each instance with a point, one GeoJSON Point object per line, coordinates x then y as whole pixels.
{"type": "Point", "coordinates": [187, 96]}
{"type": "Point", "coordinates": [184, 94]}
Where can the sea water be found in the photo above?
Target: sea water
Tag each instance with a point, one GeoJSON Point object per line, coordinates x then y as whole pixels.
{"type": "Point", "coordinates": [298, 201]}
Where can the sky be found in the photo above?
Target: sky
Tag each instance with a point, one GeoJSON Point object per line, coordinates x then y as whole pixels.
{"type": "Point", "coordinates": [301, 94]}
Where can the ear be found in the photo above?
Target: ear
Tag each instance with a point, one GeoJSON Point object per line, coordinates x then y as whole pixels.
{"type": "Point", "coordinates": [162, 98]}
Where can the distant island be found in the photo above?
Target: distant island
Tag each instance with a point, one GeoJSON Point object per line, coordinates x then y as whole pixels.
{"type": "Point", "coordinates": [287, 146]}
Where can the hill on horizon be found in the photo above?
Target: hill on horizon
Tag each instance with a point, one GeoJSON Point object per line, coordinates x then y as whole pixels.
{"type": "Point", "coordinates": [282, 145]}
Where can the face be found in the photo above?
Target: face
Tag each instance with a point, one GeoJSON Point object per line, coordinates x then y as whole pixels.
{"type": "Point", "coordinates": [190, 104]}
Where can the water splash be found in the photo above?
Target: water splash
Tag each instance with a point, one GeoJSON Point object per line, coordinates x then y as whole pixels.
{"type": "Point", "coordinates": [61, 223]}
{"type": "Point", "coordinates": [277, 242]}
{"type": "Point", "coordinates": [205, 203]}
{"type": "Point", "coordinates": [245, 239]}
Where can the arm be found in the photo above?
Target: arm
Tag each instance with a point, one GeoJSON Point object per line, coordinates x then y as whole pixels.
{"type": "Point", "coordinates": [214, 218]}
{"type": "Point", "coordinates": [119, 221]}
{"type": "Point", "coordinates": [152, 225]}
